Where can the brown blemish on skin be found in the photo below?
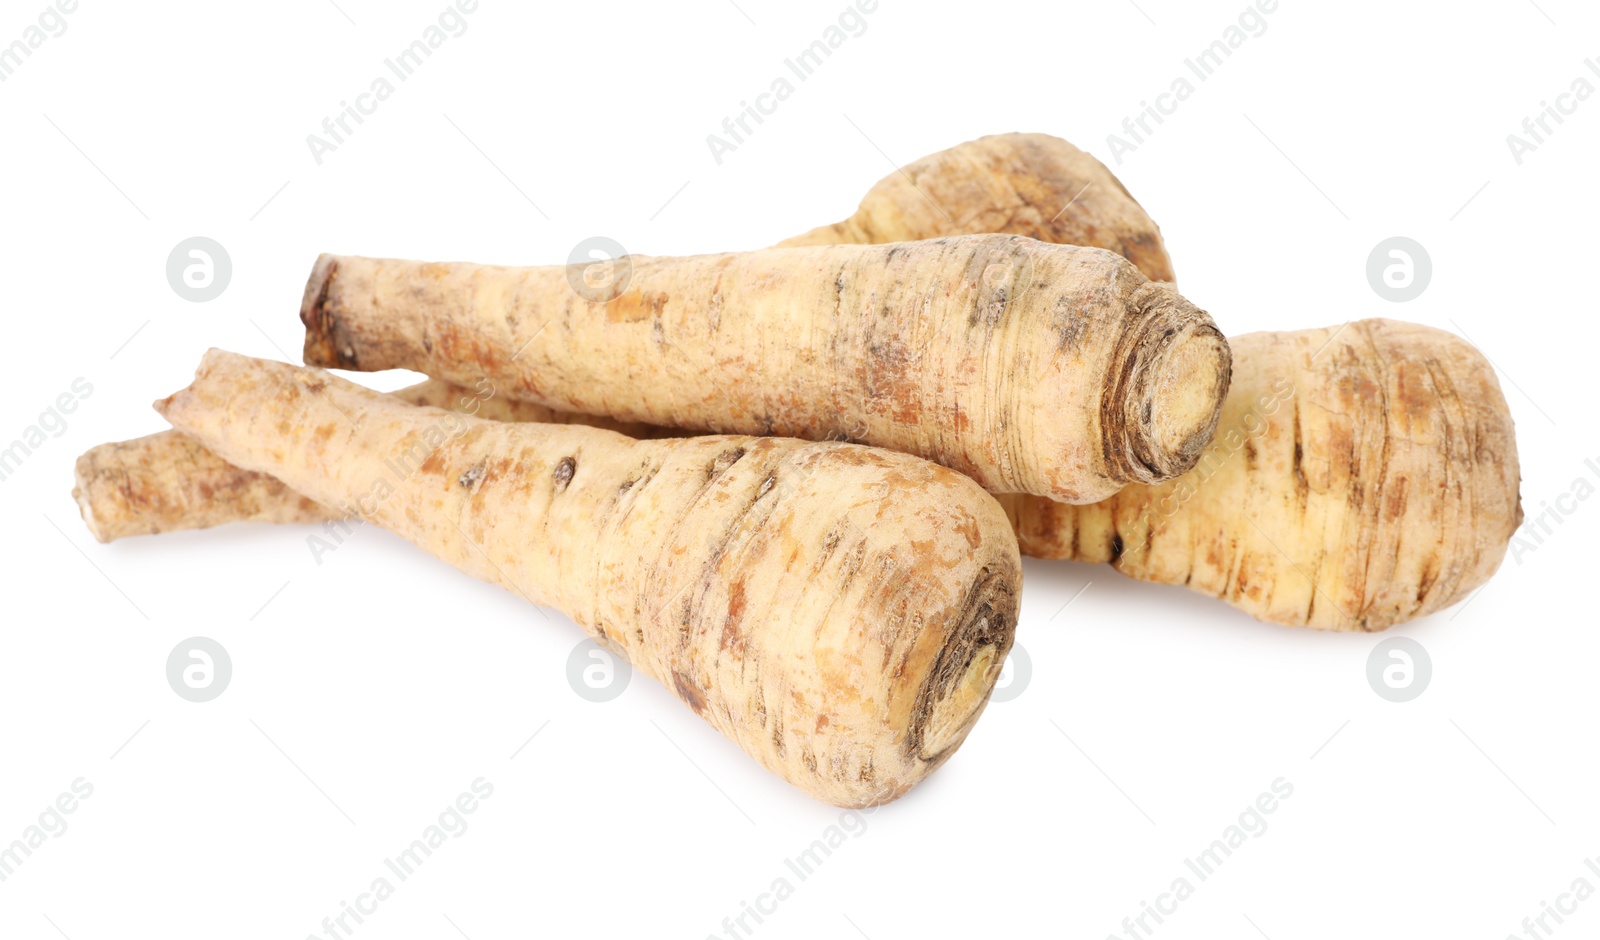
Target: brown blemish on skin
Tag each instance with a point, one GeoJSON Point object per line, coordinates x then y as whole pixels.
{"type": "Point", "coordinates": [635, 306]}
{"type": "Point", "coordinates": [968, 527]}
{"type": "Point", "coordinates": [687, 691]}
{"type": "Point", "coordinates": [723, 461]}
{"type": "Point", "coordinates": [732, 638]}
{"type": "Point", "coordinates": [563, 473]}
{"type": "Point", "coordinates": [1394, 503]}
{"type": "Point", "coordinates": [891, 378]}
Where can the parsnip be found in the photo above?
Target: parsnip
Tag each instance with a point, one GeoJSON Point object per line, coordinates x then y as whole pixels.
{"type": "Point", "coordinates": [1361, 476]}
{"type": "Point", "coordinates": [1401, 502]}
{"type": "Point", "coordinates": [1020, 184]}
{"type": "Point", "coordinates": [841, 612]}
{"type": "Point", "coordinates": [1470, 522]}
{"type": "Point", "coordinates": [167, 482]}
{"type": "Point", "coordinates": [1033, 368]}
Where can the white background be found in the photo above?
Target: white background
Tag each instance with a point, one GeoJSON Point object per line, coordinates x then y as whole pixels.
{"type": "Point", "coordinates": [388, 682]}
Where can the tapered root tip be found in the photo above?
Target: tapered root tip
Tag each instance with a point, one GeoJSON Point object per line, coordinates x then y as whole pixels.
{"type": "Point", "coordinates": [1174, 378]}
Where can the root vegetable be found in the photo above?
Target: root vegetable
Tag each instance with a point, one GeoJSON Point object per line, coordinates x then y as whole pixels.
{"type": "Point", "coordinates": [1360, 477]}
{"type": "Point", "coordinates": [841, 612]}
{"type": "Point", "coordinates": [1020, 184]}
{"type": "Point", "coordinates": [1390, 415]}
{"type": "Point", "coordinates": [168, 482]}
{"type": "Point", "coordinates": [1033, 368]}
{"type": "Point", "coordinates": [1350, 556]}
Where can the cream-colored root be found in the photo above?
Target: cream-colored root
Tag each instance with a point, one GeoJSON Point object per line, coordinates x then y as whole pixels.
{"type": "Point", "coordinates": [167, 482]}
{"type": "Point", "coordinates": [840, 612]}
{"type": "Point", "coordinates": [1481, 513]}
{"type": "Point", "coordinates": [1361, 476]}
{"type": "Point", "coordinates": [1020, 184]}
{"type": "Point", "coordinates": [1032, 368]}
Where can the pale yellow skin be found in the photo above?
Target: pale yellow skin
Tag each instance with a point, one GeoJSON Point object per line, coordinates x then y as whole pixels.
{"type": "Point", "coordinates": [1361, 476]}
{"type": "Point", "coordinates": [168, 482]}
{"type": "Point", "coordinates": [840, 612]}
{"type": "Point", "coordinates": [1472, 523]}
{"type": "Point", "coordinates": [1020, 184]}
{"type": "Point", "coordinates": [1402, 502]}
{"type": "Point", "coordinates": [1032, 368]}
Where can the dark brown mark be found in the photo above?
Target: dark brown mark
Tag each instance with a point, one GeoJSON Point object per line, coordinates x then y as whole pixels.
{"type": "Point", "coordinates": [564, 472]}
{"type": "Point", "coordinates": [687, 691]}
{"type": "Point", "coordinates": [1302, 488]}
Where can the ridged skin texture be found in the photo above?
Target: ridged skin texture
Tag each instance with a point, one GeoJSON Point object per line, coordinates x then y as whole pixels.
{"type": "Point", "coordinates": [1032, 368]}
{"type": "Point", "coordinates": [840, 612]}
{"type": "Point", "coordinates": [1361, 476]}
{"type": "Point", "coordinates": [1021, 184]}
{"type": "Point", "coordinates": [1007, 183]}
